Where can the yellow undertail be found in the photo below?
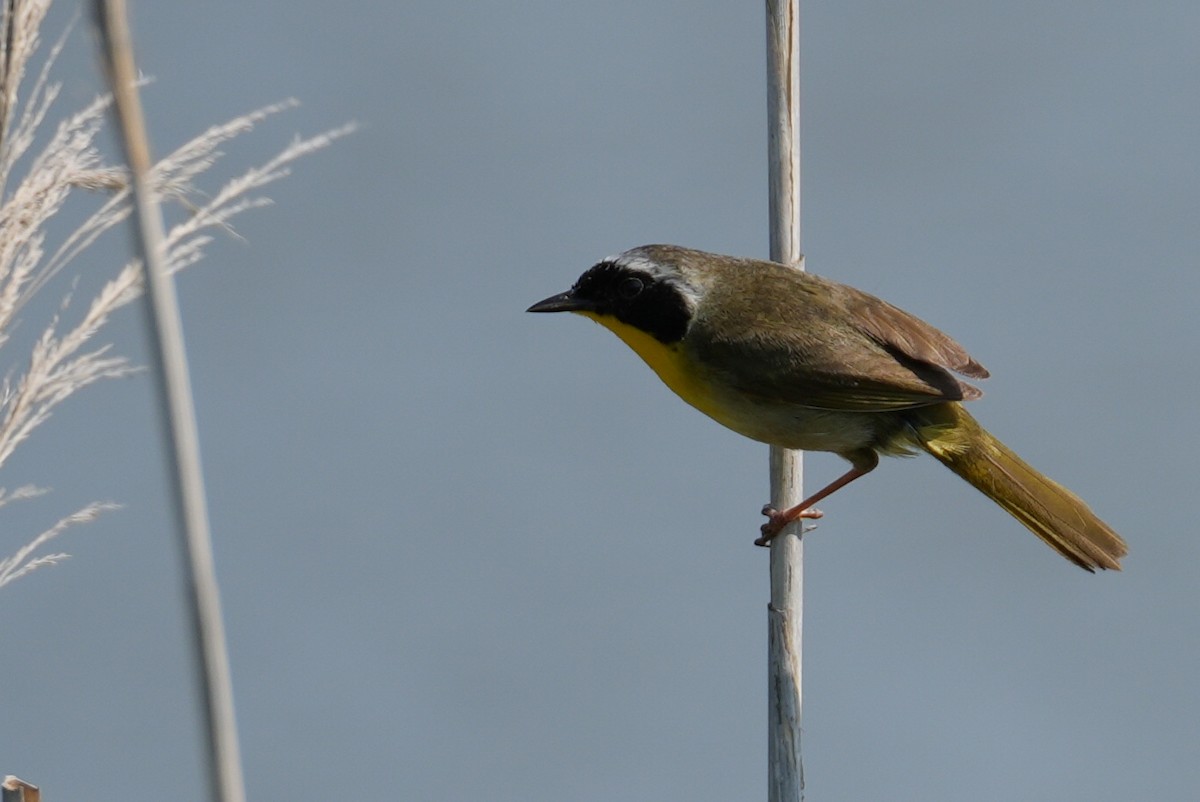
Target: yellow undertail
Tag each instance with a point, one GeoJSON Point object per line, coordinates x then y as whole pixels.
{"type": "Point", "coordinates": [1049, 510]}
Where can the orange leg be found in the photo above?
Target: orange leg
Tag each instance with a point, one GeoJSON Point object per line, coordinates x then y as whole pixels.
{"type": "Point", "coordinates": [778, 520]}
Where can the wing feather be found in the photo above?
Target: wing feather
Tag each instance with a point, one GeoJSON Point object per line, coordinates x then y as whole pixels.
{"type": "Point", "coordinates": [824, 345]}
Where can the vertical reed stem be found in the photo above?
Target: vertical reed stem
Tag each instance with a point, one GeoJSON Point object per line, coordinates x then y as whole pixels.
{"type": "Point", "coordinates": [786, 609]}
{"type": "Point", "coordinates": [179, 417]}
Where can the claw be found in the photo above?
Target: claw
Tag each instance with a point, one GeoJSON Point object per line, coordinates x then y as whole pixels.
{"type": "Point", "coordinates": [777, 520]}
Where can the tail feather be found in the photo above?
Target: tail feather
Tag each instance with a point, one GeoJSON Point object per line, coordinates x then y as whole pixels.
{"type": "Point", "coordinates": [1049, 510]}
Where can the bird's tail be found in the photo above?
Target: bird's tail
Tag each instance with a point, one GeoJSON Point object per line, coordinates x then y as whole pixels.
{"type": "Point", "coordinates": [1049, 510]}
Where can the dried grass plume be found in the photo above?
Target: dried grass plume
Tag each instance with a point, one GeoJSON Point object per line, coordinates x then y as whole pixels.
{"type": "Point", "coordinates": [64, 162]}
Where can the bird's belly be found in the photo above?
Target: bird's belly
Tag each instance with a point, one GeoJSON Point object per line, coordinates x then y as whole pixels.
{"type": "Point", "coordinates": [773, 422]}
{"type": "Point", "coordinates": [791, 425]}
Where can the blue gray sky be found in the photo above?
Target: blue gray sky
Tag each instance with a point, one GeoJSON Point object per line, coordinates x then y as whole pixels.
{"type": "Point", "coordinates": [473, 554]}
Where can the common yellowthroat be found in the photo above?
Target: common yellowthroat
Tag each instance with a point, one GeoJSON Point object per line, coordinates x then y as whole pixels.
{"type": "Point", "coordinates": [798, 361]}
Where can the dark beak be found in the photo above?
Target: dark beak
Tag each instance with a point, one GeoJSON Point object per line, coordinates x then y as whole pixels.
{"type": "Point", "coordinates": [563, 302]}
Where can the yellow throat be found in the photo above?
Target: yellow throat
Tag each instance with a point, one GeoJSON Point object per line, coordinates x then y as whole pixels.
{"type": "Point", "coordinates": [669, 363]}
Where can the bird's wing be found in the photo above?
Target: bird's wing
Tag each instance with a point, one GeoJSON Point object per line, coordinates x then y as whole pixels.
{"type": "Point", "coordinates": [824, 345]}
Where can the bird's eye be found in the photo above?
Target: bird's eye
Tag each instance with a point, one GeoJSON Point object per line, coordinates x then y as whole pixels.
{"type": "Point", "coordinates": [630, 288]}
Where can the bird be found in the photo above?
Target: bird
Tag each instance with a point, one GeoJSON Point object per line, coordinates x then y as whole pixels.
{"type": "Point", "coordinates": [799, 361]}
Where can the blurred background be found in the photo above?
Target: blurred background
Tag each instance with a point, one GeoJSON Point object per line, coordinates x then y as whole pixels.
{"type": "Point", "coordinates": [473, 554]}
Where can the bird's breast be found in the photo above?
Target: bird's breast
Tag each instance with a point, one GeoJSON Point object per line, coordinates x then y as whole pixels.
{"type": "Point", "coordinates": [768, 421]}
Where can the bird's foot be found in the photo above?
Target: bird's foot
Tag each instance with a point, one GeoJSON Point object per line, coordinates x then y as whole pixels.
{"type": "Point", "coordinates": [777, 520]}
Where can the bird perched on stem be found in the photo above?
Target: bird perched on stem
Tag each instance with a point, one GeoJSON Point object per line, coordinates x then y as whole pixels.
{"type": "Point", "coordinates": [798, 361]}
